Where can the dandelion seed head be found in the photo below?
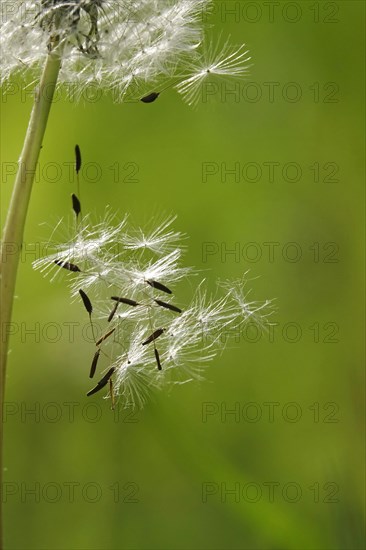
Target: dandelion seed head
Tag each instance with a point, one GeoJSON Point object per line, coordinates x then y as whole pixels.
{"type": "Point", "coordinates": [121, 44]}
{"type": "Point", "coordinates": [125, 47]}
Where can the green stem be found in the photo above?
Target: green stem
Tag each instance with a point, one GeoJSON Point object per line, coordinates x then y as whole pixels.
{"type": "Point", "coordinates": [14, 225]}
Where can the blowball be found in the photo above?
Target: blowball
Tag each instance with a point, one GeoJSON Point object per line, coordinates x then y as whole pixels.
{"type": "Point", "coordinates": [133, 49]}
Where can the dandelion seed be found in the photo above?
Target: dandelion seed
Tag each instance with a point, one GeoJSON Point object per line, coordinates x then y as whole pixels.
{"type": "Point", "coordinates": [67, 265]}
{"type": "Point", "coordinates": [168, 306]}
{"type": "Point", "coordinates": [76, 204]}
{"type": "Point", "coordinates": [150, 98]}
{"type": "Point", "coordinates": [87, 303]}
{"type": "Point", "coordinates": [77, 159]}
{"type": "Point", "coordinates": [94, 363]}
{"type": "Point", "coordinates": [104, 337]}
{"type": "Point", "coordinates": [153, 336]}
{"type": "Point", "coordinates": [125, 301]}
{"type": "Point", "coordinates": [103, 382]}
{"type": "Point", "coordinates": [224, 61]}
{"type": "Point", "coordinates": [157, 357]}
{"type": "Point", "coordinates": [112, 313]}
{"type": "Point", "coordinates": [159, 286]}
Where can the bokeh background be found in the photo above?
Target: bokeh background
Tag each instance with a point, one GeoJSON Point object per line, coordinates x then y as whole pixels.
{"type": "Point", "coordinates": [293, 454]}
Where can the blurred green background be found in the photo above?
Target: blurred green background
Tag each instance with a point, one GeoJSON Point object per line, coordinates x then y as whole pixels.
{"type": "Point", "coordinates": [161, 478]}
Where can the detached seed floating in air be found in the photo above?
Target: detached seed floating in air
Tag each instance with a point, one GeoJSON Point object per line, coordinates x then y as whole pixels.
{"type": "Point", "coordinates": [159, 286]}
{"type": "Point", "coordinates": [125, 301]}
{"type": "Point", "coordinates": [86, 301]}
{"type": "Point", "coordinates": [112, 313]}
{"type": "Point", "coordinates": [94, 363]}
{"type": "Point", "coordinates": [150, 98]}
{"type": "Point", "coordinates": [153, 336]}
{"type": "Point", "coordinates": [104, 337]}
{"type": "Point", "coordinates": [77, 159]}
{"type": "Point", "coordinates": [168, 306]}
{"type": "Point", "coordinates": [76, 204]}
{"type": "Point", "coordinates": [101, 382]}
{"type": "Point", "coordinates": [157, 357]}
{"type": "Point", "coordinates": [67, 265]}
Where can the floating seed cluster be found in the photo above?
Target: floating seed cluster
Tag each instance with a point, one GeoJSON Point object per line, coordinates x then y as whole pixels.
{"type": "Point", "coordinates": [125, 278]}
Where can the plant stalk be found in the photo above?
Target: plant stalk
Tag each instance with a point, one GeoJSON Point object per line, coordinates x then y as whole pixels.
{"type": "Point", "coordinates": [12, 239]}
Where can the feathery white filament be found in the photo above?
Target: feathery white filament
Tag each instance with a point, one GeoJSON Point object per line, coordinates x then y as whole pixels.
{"type": "Point", "coordinates": [226, 62]}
